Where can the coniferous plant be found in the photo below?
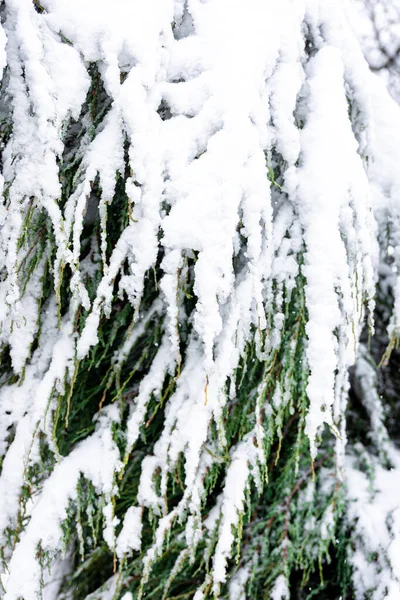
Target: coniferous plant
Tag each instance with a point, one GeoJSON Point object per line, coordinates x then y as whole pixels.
{"type": "Point", "coordinates": [199, 246]}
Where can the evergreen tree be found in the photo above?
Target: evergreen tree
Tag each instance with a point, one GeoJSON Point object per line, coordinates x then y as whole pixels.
{"type": "Point", "coordinates": [199, 303]}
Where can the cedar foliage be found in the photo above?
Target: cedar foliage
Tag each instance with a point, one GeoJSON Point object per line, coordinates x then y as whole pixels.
{"type": "Point", "coordinates": [170, 425]}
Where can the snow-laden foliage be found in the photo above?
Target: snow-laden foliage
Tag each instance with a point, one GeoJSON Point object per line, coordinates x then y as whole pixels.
{"type": "Point", "coordinates": [193, 194]}
{"type": "Point", "coordinates": [377, 23]}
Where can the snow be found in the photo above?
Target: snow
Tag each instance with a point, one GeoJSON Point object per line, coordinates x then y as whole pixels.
{"type": "Point", "coordinates": [376, 519]}
{"type": "Point", "coordinates": [43, 97]}
{"type": "Point", "coordinates": [329, 147]}
{"type": "Point", "coordinates": [281, 589]}
{"type": "Point", "coordinates": [242, 96]}
{"type": "Point", "coordinates": [130, 535]}
{"type": "Point", "coordinates": [97, 458]}
{"type": "Point", "coordinates": [27, 405]}
{"type": "Point", "coordinates": [237, 584]}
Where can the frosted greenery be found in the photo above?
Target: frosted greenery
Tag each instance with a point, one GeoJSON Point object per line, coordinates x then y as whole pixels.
{"type": "Point", "coordinates": [199, 228]}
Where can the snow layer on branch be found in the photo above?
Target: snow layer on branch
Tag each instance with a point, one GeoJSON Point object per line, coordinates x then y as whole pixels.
{"type": "Point", "coordinates": [43, 96]}
{"type": "Point", "coordinates": [229, 131]}
{"type": "Point", "coordinates": [281, 589]}
{"type": "Point", "coordinates": [374, 512]}
{"type": "Point", "coordinates": [27, 405]}
{"type": "Point", "coordinates": [237, 584]}
{"type": "Point", "coordinates": [376, 119]}
{"type": "Point", "coordinates": [244, 457]}
{"type": "Point", "coordinates": [366, 385]}
{"type": "Point", "coordinates": [97, 459]}
{"type": "Point", "coordinates": [130, 536]}
{"type": "Point", "coordinates": [328, 147]}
